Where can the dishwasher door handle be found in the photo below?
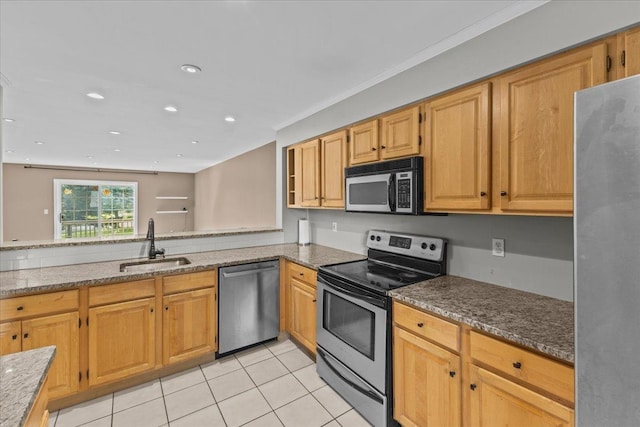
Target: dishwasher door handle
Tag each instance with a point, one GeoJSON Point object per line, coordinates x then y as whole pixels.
{"type": "Point", "coordinates": [247, 272]}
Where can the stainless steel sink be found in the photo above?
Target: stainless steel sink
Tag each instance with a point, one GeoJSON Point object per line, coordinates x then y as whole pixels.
{"type": "Point", "coordinates": [152, 265]}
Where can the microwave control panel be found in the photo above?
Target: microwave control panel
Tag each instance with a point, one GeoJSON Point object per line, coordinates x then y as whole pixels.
{"type": "Point", "coordinates": [403, 191]}
{"type": "Point", "coordinates": [430, 248]}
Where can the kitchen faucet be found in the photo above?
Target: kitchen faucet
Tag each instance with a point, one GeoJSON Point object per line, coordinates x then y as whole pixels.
{"type": "Point", "coordinates": [152, 247]}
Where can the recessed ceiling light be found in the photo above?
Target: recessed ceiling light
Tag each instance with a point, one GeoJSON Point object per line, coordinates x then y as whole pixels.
{"type": "Point", "coordinates": [170, 108]}
{"type": "Point", "coordinates": [117, 150]}
{"type": "Point", "coordinates": [27, 159]}
{"type": "Point", "coordinates": [155, 162]}
{"type": "Point", "coordinates": [8, 120]}
{"type": "Point", "coordinates": [39, 142]}
{"type": "Point", "coordinates": [89, 157]}
{"type": "Point", "coordinates": [114, 132]}
{"type": "Point", "coordinates": [194, 141]}
{"type": "Point", "coordinates": [191, 69]}
{"type": "Point", "coordinates": [9, 151]}
{"type": "Point", "coordinates": [230, 119]}
{"type": "Point", "coordinates": [178, 155]}
{"type": "Point", "coordinates": [95, 95]}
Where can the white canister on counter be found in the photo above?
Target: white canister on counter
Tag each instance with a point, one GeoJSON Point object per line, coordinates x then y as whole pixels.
{"type": "Point", "coordinates": [304, 237]}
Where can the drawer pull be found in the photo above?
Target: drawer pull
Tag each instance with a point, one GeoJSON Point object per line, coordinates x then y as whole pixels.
{"type": "Point", "coordinates": [166, 308]}
{"type": "Point", "coordinates": [472, 387]}
{"type": "Point", "coordinates": [452, 374]}
{"type": "Point", "coordinates": [14, 337]}
{"type": "Point", "coordinates": [152, 310]}
{"type": "Point", "coordinates": [517, 365]}
{"type": "Point", "coordinates": [420, 325]}
{"type": "Point", "coordinates": [302, 274]}
{"type": "Point", "coordinates": [20, 308]}
{"type": "Point", "coordinates": [314, 300]}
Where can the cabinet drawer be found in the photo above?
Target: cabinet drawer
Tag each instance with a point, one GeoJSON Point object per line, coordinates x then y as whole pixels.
{"type": "Point", "coordinates": [427, 326]}
{"type": "Point", "coordinates": [187, 282]}
{"type": "Point", "coordinates": [109, 294]}
{"type": "Point", "coordinates": [539, 371]}
{"type": "Point", "coordinates": [302, 273]}
{"type": "Point", "coordinates": [37, 305]}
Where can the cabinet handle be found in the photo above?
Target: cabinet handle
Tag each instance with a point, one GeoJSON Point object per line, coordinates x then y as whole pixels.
{"type": "Point", "coordinates": [383, 146]}
{"type": "Point", "coordinates": [420, 325]}
{"type": "Point", "coordinates": [517, 365]}
{"type": "Point", "coordinates": [19, 308]}
{"type": "Point", "coordinates": [14, 337]}
{"type": "Point", "coordinates": [482, 194]}
{"type": "Point", "coordinates": [26, 335]}
{"type": "Point", "coordinates": [314, 300]}
{"type": "Point", "coordinates": [503, 193]}
{"type": "Point", "coordinates": [302, 274]}
{"type": "Point", "coordinates": [152, 310]}
{"type": "Point", "coordinates": [472, 387]}
{"type": "Point", "coordinates": [373, 148]}
{"type": "Point", "coordinates": [452, 374]}
{"type": "Point", "coordinates": [166, 307]}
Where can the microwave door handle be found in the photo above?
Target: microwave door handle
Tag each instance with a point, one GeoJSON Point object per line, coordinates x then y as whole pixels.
{"type": "Point", "coordinates": [391, 192]}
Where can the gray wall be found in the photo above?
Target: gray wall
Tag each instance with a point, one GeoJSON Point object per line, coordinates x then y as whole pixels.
{"type": "Point", "coordinates": [539, 250]}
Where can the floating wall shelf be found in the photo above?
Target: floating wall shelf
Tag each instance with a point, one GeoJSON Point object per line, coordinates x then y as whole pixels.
{"type": "Point", "coordinates": [173, 212]}
{"type": "Point", "coordinates": [171, 197]}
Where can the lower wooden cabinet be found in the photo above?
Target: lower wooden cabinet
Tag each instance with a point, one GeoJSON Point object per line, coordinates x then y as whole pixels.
{"type": "Point", "coordinates": [10, 337]}
{"type": "Point", "coordinates": [496, 401]}
{"type": "Point", "coordinates": [301, 293]}
{"type": "Point", "coordinates": [426, 382]}
{"type": "Point", "coordinates": [188, 325]}
{"type": "Point", "coordinates": [121, 340]}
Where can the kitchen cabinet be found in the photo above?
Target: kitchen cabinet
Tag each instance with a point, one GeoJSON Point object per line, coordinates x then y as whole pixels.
{"type": "Point", "coordinates": [333, 162]}
{"type": "Point", "coordinates": [513, 386]}
{"type": "Point", "coordinates": [426, 372]}
{"type": "Point", "coordinates": [122, 322]}
{"type": "Point", "coordinates": [294, 177]}
{"type": "Point", "coordinates": [39, 415]}
{"type": "Point", "coordinates": [43, 320]}
{"type": "Point", "coordinates": [363, 143]}
{"type": "Point", "coordinates": [400, 134]}
{"type": "Point", "coordinates": [310, 173]}
{"type": "Point", "coordinates": [189, 316]}
{"type": "Point", "coordinates": [534, 129]}
{"type": "Point", "coordinates": [457, 130]}
{"type": "Point", "coordinates": [301, 294]}
{"type": "Point", "coordinates": [628, 53]}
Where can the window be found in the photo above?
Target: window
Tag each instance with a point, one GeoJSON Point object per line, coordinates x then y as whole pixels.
{"type": "Point", "coordinates": [94, 208]}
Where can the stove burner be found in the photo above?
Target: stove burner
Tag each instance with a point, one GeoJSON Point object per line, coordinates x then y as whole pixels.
{"type": "Point", "coordinates": [408, 274]}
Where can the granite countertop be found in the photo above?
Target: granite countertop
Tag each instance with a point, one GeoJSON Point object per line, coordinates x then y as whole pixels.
{"type": "Point", "coordinates": [35, 244]}
{"type": "Point", "coordinates": [22, 282]}
{"type": "Point", "coordinates": [535, 321]}
{"type": "Point", "coordinates": [21, 376]}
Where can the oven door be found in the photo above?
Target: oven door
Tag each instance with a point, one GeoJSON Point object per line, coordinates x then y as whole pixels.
{"type": "Point", "coordinates": [352, 327]}
{"type": "Point", "coordinates": [370, 193]}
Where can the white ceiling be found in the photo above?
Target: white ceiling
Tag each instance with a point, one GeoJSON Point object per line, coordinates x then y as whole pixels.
{"type": "Point", "coordinates": [267, 63]}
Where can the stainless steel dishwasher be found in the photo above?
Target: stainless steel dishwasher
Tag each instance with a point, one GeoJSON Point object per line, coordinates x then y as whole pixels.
{"type": "Point", "coordinates": [249, 304]}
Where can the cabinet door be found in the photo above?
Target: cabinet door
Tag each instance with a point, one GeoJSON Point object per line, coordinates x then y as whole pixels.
{"type": "Point", "coordinates": [363, 143]}
{"type": "Point", "coordinates": [536, 129]}
{"type": "Point", "coordinates": [294, 177]}
{"type": "Point", "coordinates": [426, 381]}
{"type": "Point", "coordinates": [496, 401]}
{"type": "Point", "coordinates": [334, 160]}
{"type": "Point", "coordinates": [457, 137]}
{"type": "Point", "coordinates": [310, 163]}
{"type": "Point", "coordinates": [121, 340]}
{"type": "Point", "coordinates": [189, 325]}
{"type": "Point", "coordinates": [62, 331]}
{"type": "Point", "coordinates": [10, 337]}
{"type": "Point", "coordinates": [630, 52]}
{"type": "Point", "coordinates": [400, 134]}
{"type": "Point", "coordinates": [303, 313]}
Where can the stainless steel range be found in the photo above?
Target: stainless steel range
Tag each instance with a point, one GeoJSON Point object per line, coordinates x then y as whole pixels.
{"type": "Point", "coordinates": [354, 317]}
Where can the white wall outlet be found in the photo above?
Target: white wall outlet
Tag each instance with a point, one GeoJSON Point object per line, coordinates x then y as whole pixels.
{"type": "Point", "coordinates": [497, 247]}
{"type": "Point", "coordinates": [334, 227]}
{"type": "Point", "coordinates": [46, 211]}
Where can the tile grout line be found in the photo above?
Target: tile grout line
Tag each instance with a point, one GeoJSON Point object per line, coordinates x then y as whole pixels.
{"type": "Point", "coordinates": [214, 396]}
{"type": "Point", "coordinates": [164, 402]}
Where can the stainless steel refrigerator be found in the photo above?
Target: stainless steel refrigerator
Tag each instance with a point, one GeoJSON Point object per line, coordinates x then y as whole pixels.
{"type": "Point", "coordinates": [607, 254]}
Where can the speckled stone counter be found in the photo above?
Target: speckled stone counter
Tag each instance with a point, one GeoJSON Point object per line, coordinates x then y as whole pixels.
{"type": "Point", "coordinates": [21, 282]}
{"type": "Point", "coordinates": [535, 321]}
{"type": "Point", "coordinates": [21, 376]}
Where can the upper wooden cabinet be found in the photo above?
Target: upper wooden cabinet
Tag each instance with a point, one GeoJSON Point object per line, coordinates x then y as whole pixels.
{"type": "Point", "coordinates": [457, 130]}
{"type": "Point", "coordinates": [294, 176]}
{"type": "Point", "coordinates": [334, 160]}
{"type": "Point", "coordinates": [400, 134]}
{"type": "Point", "coordinates": [363, 143]}
{"type": "Point", "coordinates": [535, 129]}
{"type": "Point", "coordinates": [310, 173]}
{"type": "Point", "coordinates": [628, 53]}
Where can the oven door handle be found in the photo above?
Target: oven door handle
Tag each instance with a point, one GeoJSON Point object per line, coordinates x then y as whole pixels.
{"type": "Point", "coordinates": [365, 298]}
{"type": "Point", "coordinates": [358, 388]}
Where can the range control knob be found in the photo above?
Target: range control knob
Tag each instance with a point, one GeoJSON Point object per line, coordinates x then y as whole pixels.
{"type": "Point", "coordinates": [377, 238]}
{"type": "Point", "coordinates": [432, 246]}
{"type": "Point", "coordinates": [372, 237]}
{"type": "Point", "coordinates": [423, 246]}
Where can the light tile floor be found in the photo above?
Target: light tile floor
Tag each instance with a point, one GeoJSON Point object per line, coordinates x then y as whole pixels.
{"type": "Point", "coordinates": [269, 385]}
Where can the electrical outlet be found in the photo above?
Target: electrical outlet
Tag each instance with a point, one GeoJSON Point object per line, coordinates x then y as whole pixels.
{"type": "Point", "coordinates": [46, 211]}
{"type": "Point", "coordinates": [334, 227]}
{"type": "Point", "coordinates": [497, 246]}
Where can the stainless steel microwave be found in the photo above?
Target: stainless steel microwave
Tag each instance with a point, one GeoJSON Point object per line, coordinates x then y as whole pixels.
{"type": "Point", "coordinates": [394, 186]}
